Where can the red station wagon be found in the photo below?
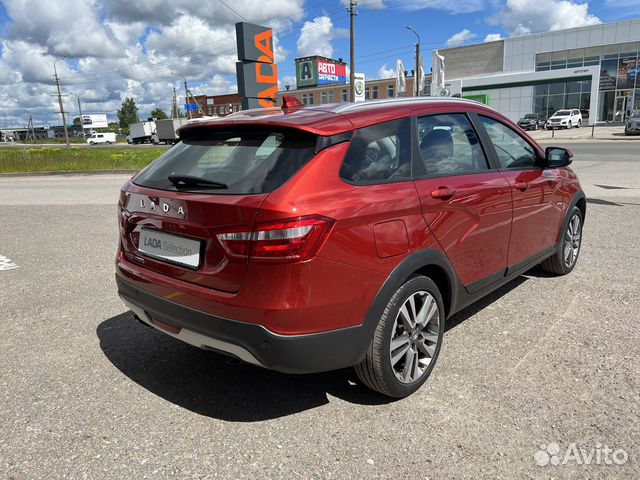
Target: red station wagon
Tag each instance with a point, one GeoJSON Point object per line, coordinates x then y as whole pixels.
{"type": "Point", "coordinates": [306, 239]}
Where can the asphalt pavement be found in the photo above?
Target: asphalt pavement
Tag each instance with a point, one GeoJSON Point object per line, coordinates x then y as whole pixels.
{"type": "Point", "coordinates": [87, 392]}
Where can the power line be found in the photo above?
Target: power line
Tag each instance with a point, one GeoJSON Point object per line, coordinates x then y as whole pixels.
{"type": "Point", "coordinates": [233, 10]}
{"type": "Point", "coordinates": [92, 76]}
{"type": "Point", "coordinates": [98, 74]}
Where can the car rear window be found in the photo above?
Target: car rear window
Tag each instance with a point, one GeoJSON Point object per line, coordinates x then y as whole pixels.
{"type": "Point", "coordinates": [242, 161]}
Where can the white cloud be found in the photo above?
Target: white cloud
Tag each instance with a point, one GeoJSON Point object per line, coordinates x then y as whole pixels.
{"type": "Point", "coordinates": [315, 37]}
{"type": "Point", "coordinates": [162, 12]}
{"type": "Point", "coordinates": [453, 7]}
{"type": "Point", "coordinates": [384, 72]}
{"type": "Point", "coordinates": [289, 80]}
{"type": "Point", "coordinates": [460, 38]}
{"type": "Point", "coordinates": [121, 48]}
{"type": "Point", "coordinates": [52, 24]}
{"type": "Point", "coordinates": [523, 17]}
{"type": "Point", "coordinates": [492, 37]}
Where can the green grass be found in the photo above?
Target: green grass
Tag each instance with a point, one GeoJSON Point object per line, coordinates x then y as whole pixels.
{"type": "Point", "coordinates": [23, 160]}
{"type": "Point", "coordinates": [62, 141]}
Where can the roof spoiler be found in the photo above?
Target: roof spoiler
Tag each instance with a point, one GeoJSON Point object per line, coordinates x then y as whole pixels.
{"type": "Point", "coordinates": [291, 102]}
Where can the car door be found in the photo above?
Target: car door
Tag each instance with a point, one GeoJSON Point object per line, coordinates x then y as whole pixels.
{"type": "Point", "coordinates": [537, 193]}
{"type": "Point", "coordinates": [465, 202]}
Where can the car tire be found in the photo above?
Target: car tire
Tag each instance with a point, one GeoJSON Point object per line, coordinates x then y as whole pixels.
{"type": "Point", "coordinates": [570, 126]}
{"type": "Point", "coordinates": [404, 351]}
{"type": "Point", "coordinates": [92, 143]}
{"type": "Point", "coordinates": [566, 255]}
{"type": "Point", "coordinates": [579, 124]}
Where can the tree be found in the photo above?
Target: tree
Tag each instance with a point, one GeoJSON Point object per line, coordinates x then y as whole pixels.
{"type": "Point", "coordinates": [128, 113]}
{"type": "Point", "coordinates": [158, 113]}
{"type": "Point", "coordinates": [76, 121]}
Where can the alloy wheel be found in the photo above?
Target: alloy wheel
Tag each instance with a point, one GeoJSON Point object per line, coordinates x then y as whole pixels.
{"type": "Point", "coordinates": [572, 239]}
{"type": "Point", "coordinates": [414, 337]}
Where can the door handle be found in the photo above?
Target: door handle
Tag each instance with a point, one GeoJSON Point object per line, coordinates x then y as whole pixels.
{"type": "Point", "coordinates": [521, 186]}
{"type": "Point", "coordinates": [443, 193]}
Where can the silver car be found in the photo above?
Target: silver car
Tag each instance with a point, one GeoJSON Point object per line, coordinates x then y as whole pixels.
{"type": "Point", "coordinates": [632, 124]}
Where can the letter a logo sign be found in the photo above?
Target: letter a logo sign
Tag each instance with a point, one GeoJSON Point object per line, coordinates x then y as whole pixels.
{"type": "Point", "coordinates": [305, 71]}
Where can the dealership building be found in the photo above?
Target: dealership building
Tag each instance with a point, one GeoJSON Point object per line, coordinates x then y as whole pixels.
{"type": "Point", "coordinates": [594, 68]}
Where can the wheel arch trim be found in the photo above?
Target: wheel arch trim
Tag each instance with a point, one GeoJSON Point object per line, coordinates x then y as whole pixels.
{"type": "Point", "coordinates": [581, 198]}
{"type": "Point", "coordinates": [419, 262]}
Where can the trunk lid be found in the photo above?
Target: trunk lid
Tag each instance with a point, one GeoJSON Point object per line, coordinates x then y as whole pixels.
{"type": "Point", "coordinates": [194, 217]}
{"type": "Point", "coordinates": [211, 183]}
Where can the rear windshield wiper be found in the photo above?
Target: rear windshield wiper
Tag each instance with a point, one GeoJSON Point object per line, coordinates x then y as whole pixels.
{"type": "Point", "coordinates": [188, 181]}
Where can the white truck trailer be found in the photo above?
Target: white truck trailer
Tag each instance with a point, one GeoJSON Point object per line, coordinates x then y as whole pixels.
{"type": "Point", "coordinates": [141, 132]}
{"type": "Point", "coordinates": [166, 130]}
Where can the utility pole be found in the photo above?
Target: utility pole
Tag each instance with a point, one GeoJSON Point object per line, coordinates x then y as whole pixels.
{"type": "Point", "coordinates": [30, 129]}
{"type": "Point", "coordinates": [352, 60]}
{"type": "Point", "coordinates": [80, 116]}
{"type": "Point", "coordinates": [64, 120]}
{"type": "Point", "coordinates": [186, 94]}
{"type": "Point", "coordinates": [186, 98]}
{"type": "Point", "coordinates": [416, 77]}
{"type": "Point", "coordinates": [174, 105]}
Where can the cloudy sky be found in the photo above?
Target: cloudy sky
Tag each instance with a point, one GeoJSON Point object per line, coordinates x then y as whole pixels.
{"type": "Point", "coordinates": [138, 48]}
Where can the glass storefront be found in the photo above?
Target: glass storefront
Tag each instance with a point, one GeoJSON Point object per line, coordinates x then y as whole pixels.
{"type": "Point", "coordinates": [619, 85]}
{"type": "Point", "coordinates": [552, 96]}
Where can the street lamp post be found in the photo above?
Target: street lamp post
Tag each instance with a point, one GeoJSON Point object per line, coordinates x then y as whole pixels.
{"type": "Point", "coordinates": [186, 93]}
{"type": "Point", "coordinates": [416, 77]}
{"type": "Point", "coordinates": [64, 120]}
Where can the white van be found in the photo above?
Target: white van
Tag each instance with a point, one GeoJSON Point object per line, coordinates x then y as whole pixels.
{"type": "Point", "coordinates": [101, 138]}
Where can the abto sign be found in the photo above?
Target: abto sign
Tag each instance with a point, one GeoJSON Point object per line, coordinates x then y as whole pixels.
{"type": "Point", "coordinates": [329, 72]}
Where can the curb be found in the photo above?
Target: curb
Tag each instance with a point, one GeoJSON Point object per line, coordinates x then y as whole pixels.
{"type": "Point", "coordinates": [68, 172]}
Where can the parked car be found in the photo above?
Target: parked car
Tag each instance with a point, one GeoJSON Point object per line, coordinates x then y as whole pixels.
{"type": "Point", "coordinates": [95, 138]}
{"type": "Point", "coordinates": [532, 121]}
{"type": "Point", "coordinates": [585, 116]}
{"type": "Point", "coordinates": [565, 119]}
{"type": "Point", "coordinates": [632, 123]}
{"type": "Point", "coordinates": [318, 238]}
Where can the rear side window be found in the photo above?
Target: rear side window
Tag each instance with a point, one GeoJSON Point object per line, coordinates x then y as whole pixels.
{"type": "Point", "coordinates": [379, 154]}
{"type": "Point", "coordinates": [230, 162]}
{"type": "Point", "coordinates": [512, 150]}
{"type": "Point", "coordinates": [449, 145]}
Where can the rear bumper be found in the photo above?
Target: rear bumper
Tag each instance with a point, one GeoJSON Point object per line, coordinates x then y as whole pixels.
{"type": "Point", "coordinates": [315, 352]}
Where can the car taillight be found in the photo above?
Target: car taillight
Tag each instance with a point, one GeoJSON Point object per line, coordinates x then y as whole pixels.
{"type": "Point", "coordinates": [291, 240]}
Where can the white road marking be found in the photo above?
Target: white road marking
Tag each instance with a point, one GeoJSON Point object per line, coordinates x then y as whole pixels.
{"type": "Point", "coordinates": [6, 263]}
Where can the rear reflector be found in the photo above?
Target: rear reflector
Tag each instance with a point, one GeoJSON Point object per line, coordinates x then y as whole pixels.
{"type": "Point", "coordinates": [291, 240]}
{"type": "Point", "coordinates": [166, 326]}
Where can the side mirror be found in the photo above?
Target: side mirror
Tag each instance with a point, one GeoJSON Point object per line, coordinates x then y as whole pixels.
{"type": "Point", "coordinates": [558, 157]}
